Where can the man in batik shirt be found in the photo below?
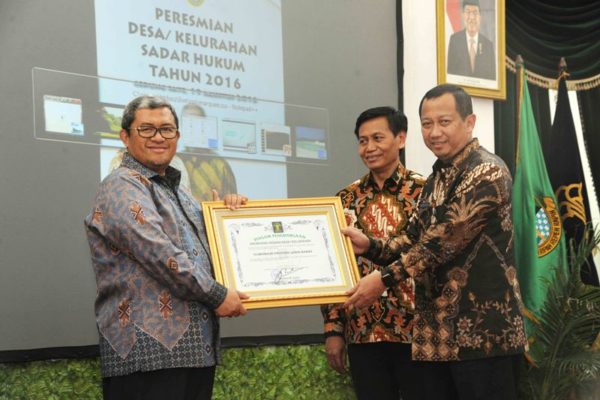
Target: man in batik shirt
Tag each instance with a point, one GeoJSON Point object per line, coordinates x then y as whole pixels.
{"type": "Point", "coordinates": [468, 327]}
{"type": "Point", "coordinates": [157, 303]}
{"type": "Point", "coordinates": [380, 203]}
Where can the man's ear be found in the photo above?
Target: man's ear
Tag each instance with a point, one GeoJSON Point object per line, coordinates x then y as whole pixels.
{"type": "Point", "coordinates": [470, 120]}
{"type": "Point", "coordinates": [124, 137]}
{"type": "Point", "coordinates": [402, 139]}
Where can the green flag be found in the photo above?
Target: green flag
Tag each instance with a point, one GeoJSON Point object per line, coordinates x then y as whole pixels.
{"type": "Point", "coordinates": [539, 244]}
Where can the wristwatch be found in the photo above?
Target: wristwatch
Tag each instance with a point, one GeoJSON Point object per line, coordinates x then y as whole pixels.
{"type": "Point", "coordinates": [388, 279]}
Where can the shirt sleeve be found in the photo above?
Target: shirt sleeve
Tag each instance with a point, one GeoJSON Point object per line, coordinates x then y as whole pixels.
{"type": "Point", "coordinates": [482, 193]}
{"type": "Point", "coordinates": [334, 315]}
{"type": "Point", "coordinates": [334, 319]}
{"type": "Point", "coordinates": [127, 220]}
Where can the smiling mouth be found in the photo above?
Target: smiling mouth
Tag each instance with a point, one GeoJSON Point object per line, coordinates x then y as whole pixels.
{"type": "Point", "coordinates": [372, 158]}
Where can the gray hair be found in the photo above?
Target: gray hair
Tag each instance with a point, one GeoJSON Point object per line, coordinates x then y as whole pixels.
{"type": "Point", "coordinates": [144, 102]}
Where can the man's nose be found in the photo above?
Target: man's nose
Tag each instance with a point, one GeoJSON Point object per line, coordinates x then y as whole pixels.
{"type": "Point", "coordinates": [435, 130]}
{"type": "Point", "coordinates": [158, 138]}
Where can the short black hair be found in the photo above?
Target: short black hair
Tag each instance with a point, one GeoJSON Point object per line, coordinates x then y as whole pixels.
{"type": "Point", "coordinates": [470, 3]}
{"type": "Point", "coordinates": [464, 104]}
{"type": "Point", "coordinates": [144, 102]}
{"type": "Point", "coordinates": [396, 119]}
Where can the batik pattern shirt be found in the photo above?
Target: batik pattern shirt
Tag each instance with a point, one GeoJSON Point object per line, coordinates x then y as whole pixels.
{"type": "Point", "coordinates": [459, 249]}
{"type": "Point", "coordinates": [156, 293]}
{"type": "Point", "coordinates": [382, 214]}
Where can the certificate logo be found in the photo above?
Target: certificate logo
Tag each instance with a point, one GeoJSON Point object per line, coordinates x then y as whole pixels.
{"type": "Point", "coordinates": [277, 227]}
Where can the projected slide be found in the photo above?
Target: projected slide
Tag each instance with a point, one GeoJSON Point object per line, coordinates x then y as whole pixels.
{"type": "Point", "coordinates": [63, 115]}
{"type": "Point", "coordinates": [231, 47]}
{"type": "Point", "coordinates": [239, 135]}
{"type": "Point", "coordinates": [276, 140]}
{"type": "Point", "coordinates": [311, 143]}
{"type": "Point", "coordinates": [213, 152]}
{"type": "Point", "coordinates": [197, 130]}
{"type": "Point", "coordinates": [219, 63]}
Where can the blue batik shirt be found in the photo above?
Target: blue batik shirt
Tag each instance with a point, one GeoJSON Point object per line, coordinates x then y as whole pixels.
{"type": "Point", "coordinates": [156, 292]}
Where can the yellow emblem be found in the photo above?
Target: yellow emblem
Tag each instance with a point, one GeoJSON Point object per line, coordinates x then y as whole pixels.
{"type": "Point", "coordinates": [570, 201]}
{"type": "Point", "coordinates": [547, 227]}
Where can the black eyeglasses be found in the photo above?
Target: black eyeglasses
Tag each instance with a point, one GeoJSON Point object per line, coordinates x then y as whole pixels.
{"type": "Point", "coordinates": [167, 132]}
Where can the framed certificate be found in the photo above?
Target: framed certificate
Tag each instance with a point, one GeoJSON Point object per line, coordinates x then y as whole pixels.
{"type": "Point", "coordinates": [282, 252]}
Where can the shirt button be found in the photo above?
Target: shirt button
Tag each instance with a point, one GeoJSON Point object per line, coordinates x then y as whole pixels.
{"type": "Point", "coordinates": [195, 252]}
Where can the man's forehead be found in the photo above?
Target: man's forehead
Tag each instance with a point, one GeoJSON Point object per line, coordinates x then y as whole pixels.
{"type": "Point", "coordinates": [439, 110]}
{"type": "Point", "coordinates": [446, 99]}
{"type": "Point", "coordinates": [381, 122]}
{"type": "Point", "coordinates": [150, 110]}
{"type": "Point", "coordinates": [159, 111]}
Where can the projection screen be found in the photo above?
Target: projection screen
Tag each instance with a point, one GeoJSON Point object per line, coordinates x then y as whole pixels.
{"type": "Point", "coordinates": [269, 88]}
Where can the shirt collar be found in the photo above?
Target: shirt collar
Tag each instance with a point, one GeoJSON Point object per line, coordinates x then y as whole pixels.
{"type": "Point", "coordinates": [475, 38]}
{"type": "Point", "coordinates": [172, 175]}
{"type": "Point", "coordinates": [458, 159]}
{"type": "Point", "coordinates": [392, 180]}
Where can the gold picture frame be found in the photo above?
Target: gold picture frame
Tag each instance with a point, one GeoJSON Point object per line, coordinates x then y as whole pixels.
{"type": "Point", "coordinates": [282, 253]}
{"type": "Point", "coordinates": [479, 69]}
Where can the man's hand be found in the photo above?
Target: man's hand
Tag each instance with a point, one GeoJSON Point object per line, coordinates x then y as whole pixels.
{"type": "Point", "coordinates": [335, 348]}
{"type": "Point", "coordinates": [232, 201]}
{"type": "Point", "coordinates": [360, 241]}
{"type": "Point", "coordinates": [232, 305]}
{"type": "Point", "coordinates": [366, 291]}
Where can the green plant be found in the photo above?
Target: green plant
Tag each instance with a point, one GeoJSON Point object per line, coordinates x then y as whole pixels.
{"type": "Point", "coordinates": [51, 380]}
{"type": "Point", "coordinates": [283, 372]}
{"type": "Point", "coordinates": [567, 362]}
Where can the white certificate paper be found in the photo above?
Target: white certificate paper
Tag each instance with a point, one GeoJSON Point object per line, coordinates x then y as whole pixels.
{"type": "Point", "coordinates": [282, 252]}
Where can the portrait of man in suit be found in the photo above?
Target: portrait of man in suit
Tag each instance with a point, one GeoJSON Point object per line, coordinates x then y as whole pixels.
{"type": "Point", "coordinates": [470, 53]}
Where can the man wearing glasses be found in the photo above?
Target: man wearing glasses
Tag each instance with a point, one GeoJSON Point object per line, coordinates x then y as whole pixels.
{"type": "Point", "coordinates": [157, 303]}
{"type": "Point", "coordinates": [469, 52]}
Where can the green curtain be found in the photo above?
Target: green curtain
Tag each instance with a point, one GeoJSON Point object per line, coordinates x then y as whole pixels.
{"type": "Point", "coordinates": [589, 108]}
{"type": "Point", "coordinates": [543, 31]}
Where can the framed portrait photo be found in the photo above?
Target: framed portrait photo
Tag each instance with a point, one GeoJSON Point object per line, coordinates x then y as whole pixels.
{"type": "Point", "coordinates": [471, 46]}
{"type": "Point", "coordinates": [281, 253]}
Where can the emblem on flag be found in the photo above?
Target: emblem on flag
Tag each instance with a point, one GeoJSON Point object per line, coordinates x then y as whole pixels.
{"type": "Point", "coordinates": [547, 227]}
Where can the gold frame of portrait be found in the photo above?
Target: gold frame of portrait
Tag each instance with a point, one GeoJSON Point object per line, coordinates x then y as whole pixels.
{"type": "Point", "coordinates": [470, 84]}
{"type": "Point", "coordinates": [215, 214]}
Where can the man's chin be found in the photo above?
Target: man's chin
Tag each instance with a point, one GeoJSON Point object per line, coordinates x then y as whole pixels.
{"type": "Point", "coordinates": [158, 166]}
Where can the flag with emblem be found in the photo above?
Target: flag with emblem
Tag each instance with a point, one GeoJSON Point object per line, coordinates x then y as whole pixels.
{"type": "Point", "coordinates": [539, 244]}
{"type": "Point", "coordinates": [566, 176]}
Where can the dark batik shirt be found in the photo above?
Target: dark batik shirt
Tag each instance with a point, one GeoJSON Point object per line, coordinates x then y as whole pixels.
{"type": "Point", "coordinates": [459, 250]}
{"type": "Point", "coordinates": [156, 293]}
{"type": "Point", "coordinates": [382, 214]}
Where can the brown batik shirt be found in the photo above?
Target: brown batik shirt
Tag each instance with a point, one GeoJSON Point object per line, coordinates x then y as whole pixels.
{"type": "Point", "coordinates": [382, 214]}
{"type": "Point", "coordinates": [459, 250]}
